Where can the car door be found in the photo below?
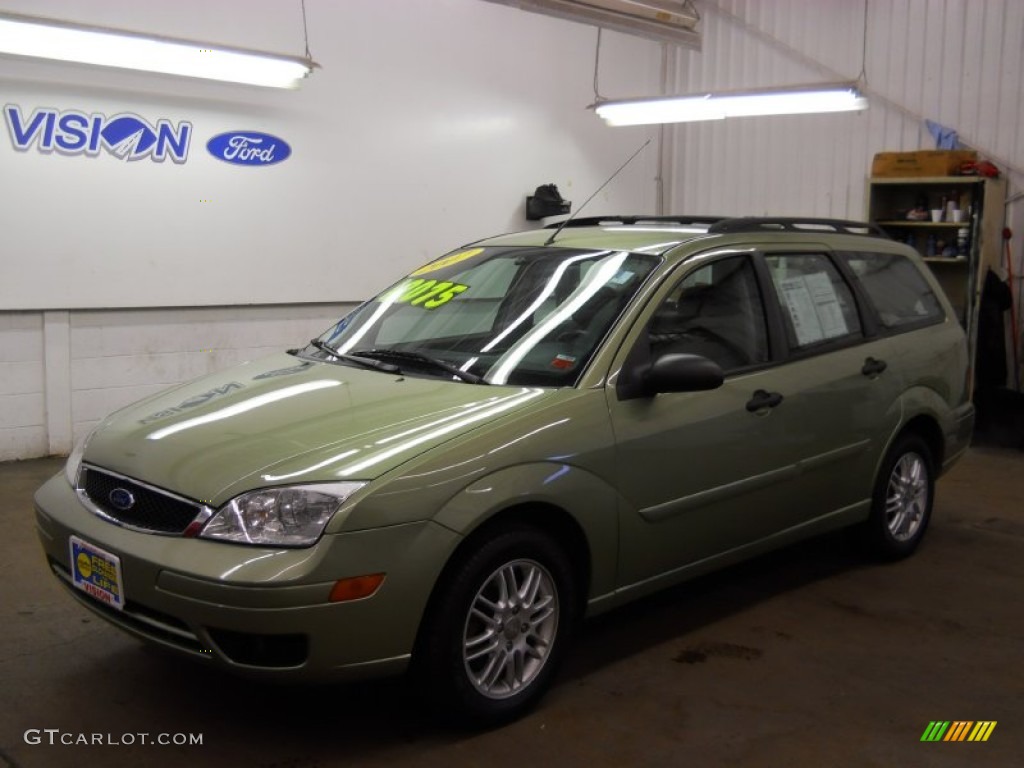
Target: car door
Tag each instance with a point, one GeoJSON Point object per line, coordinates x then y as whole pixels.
{"type": "Point", "coordinates": [842, 377]}
{"type": "Point", "coordinates": [701, 472]}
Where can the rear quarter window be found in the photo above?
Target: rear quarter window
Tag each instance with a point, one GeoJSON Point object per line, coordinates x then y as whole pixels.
{"type": "Point", "coordinates": [899, 292]}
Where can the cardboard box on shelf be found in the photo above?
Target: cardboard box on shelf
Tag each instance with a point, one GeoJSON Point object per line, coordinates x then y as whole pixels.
{"type": "Point", "coordinates": [928, 162]}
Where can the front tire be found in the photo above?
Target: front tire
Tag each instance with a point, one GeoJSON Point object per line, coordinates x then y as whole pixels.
{"type": "Point", "coordinates": [498, 626]}
{"type": "Point", "coordinates": [902, 501]}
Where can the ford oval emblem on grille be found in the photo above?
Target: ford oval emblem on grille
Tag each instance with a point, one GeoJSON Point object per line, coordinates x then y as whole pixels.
{"type": "Point", "coordinates": [122, 499]}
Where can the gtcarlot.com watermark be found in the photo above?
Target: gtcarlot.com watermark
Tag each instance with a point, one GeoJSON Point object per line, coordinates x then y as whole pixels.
{"type": "Point", "coordinates": [55, 737]}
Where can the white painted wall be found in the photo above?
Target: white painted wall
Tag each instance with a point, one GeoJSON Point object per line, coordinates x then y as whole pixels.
{"type": "Point", "coordinates": [429, 121]}
{"type": "Point", "coordinates": [427, 126]}
{"type": "Point", "coordinates": [22, 408]}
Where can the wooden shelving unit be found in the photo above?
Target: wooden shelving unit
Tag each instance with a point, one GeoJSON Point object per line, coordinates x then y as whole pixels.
{"type": "Point", "coordinates": [958, 253]}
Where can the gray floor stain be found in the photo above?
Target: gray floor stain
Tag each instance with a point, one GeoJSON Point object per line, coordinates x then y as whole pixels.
{"type": "Point", "coordinates": [703, 651]}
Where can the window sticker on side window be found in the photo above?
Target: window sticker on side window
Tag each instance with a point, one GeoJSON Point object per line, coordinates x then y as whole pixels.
{"type": "Point", "coordinates": [813, 307]}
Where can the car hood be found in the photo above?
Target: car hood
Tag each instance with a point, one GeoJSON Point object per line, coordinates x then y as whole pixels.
{"type": "Point", "coordinates": [283, 420]}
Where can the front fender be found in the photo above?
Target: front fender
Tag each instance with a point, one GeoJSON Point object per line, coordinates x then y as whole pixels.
{"type": "Point", "coordinates": [588, 499]}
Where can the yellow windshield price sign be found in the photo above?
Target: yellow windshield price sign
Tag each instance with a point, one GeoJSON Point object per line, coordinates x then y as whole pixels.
{"type": "Point", "coordinates": [447, 261]}
{"type": "Point", "coordinates": [429, 294]}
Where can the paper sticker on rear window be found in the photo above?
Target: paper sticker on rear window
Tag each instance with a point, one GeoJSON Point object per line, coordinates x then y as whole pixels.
{"type": "Point", "coordinates": [813, 307]}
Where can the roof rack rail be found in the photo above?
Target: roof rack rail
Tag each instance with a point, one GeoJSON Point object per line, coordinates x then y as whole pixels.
{"type": "Point", "coordinates": [774, 224]}
{"type": "Point", "coordinates": [593, 221]}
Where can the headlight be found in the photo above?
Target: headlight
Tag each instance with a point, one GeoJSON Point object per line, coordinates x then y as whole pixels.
{"type": "Point", "coordinates": [74, 462]}
{"type": "Point", "coordinates": [290, 517]}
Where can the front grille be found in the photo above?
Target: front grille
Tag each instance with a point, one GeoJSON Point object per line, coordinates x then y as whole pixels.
{"type": "Point", "coordinates": [151, 509]}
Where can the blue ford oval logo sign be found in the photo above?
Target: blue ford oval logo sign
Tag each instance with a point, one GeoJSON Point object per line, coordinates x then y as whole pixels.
{"type": "Point", "coordinates": [122, 499]}
{"type": "Point", "coordinates": [248, 148]}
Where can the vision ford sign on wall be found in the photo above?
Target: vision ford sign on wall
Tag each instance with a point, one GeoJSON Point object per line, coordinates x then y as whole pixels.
{"type": "Point", "coordinates": [71, 132]}
{"type": "Point", "coordinates": [248, 148]}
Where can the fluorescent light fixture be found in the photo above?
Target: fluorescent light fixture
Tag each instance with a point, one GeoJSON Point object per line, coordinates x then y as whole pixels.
{"type": "Point", "coordinates": [64, 41]}
{"type": "Point", "coordinates": [667, 21]}
{"type": "Point", "coordinates": [710, 106]}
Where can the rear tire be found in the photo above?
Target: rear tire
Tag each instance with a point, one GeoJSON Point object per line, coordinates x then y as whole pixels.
{"type": "Point", "coordinates": [498, 627]}
{"type": "Point", "coordinates": [902, 501]}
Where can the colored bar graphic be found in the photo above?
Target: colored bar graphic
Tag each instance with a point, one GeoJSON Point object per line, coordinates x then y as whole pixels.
{"type": "Point", "coordinates": [982, 730]}
{"type": "Point", "coordinates": [958, 730]}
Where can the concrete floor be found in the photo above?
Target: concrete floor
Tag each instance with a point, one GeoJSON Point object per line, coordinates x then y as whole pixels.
{"type": "Point", "coordinates": [808, 657]}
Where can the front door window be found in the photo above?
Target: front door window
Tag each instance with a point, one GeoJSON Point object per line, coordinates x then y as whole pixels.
{"type": "Point", "coordinates": [715, 312]}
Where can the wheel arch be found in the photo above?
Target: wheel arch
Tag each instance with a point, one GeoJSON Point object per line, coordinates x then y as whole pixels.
{"type": "Point", "coordinates": [545, 517]}
{"type": "Point", "coordinates": [928, 413]}
{"type": "Point", "coordinates": [573, 505]}
{"type": "Point", "coordinates": [927, 428]}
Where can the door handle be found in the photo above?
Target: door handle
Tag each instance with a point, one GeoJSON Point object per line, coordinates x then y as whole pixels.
{"type": "Point", "coordinates": [873, 367]}
{"type": "Point", "coordinates": [763, 399]}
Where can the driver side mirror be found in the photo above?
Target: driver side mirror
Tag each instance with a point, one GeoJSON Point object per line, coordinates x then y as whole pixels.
{"type": "Point", "coordinates": [676, 372]}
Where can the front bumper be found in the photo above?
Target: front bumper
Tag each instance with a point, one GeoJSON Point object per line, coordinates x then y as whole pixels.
{"type": "Point", "coordinates": [259, 611]}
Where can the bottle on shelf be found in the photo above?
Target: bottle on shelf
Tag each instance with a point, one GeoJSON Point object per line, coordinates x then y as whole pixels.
{"type": "Point", "coordinates": [963, 238]}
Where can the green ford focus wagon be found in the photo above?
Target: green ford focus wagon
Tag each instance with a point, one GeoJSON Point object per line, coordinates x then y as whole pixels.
{"type": "Point", "coordinates": [529, 430]}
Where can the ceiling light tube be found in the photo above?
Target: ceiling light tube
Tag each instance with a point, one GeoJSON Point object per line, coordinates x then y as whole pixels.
{"type": "Point", "coordinates": [63, 41]}
{"type": "Point", "coordinates": [710, 106]}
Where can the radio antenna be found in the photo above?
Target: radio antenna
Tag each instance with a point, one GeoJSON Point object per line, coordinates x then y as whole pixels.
{"type": "Point", "coordinates": [562, 226]}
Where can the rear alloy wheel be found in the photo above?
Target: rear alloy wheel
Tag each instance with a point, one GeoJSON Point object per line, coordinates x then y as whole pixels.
{"type": "Point", "coordinates": [902, 502]}
{"type": "Point", "coordinates": [496, 633]}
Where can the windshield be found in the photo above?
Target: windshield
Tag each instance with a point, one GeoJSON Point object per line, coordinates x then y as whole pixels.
{"type": "Point", "coordinates": [499, 315]}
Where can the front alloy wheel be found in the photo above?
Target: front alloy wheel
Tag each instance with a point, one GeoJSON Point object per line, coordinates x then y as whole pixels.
{"type": "Point", "coordinates": [512, 623]}
{"type": "Point", "coordinates": [497, 625]}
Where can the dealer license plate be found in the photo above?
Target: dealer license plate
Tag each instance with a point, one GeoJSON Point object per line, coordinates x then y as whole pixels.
{"type": "Point", "coordinates": [97, 572]}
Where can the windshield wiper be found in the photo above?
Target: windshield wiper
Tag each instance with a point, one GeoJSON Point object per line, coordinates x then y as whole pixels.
{"type": "Point", "coordinates": [365, 362]}
{"type": "Point", "coordinates": [419, 357]}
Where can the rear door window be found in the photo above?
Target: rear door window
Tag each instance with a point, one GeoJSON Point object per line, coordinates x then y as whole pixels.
{"type": "Point", "coordinates": [899, 292]}
{"type": "Point", "coordinates": [818, 307]}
